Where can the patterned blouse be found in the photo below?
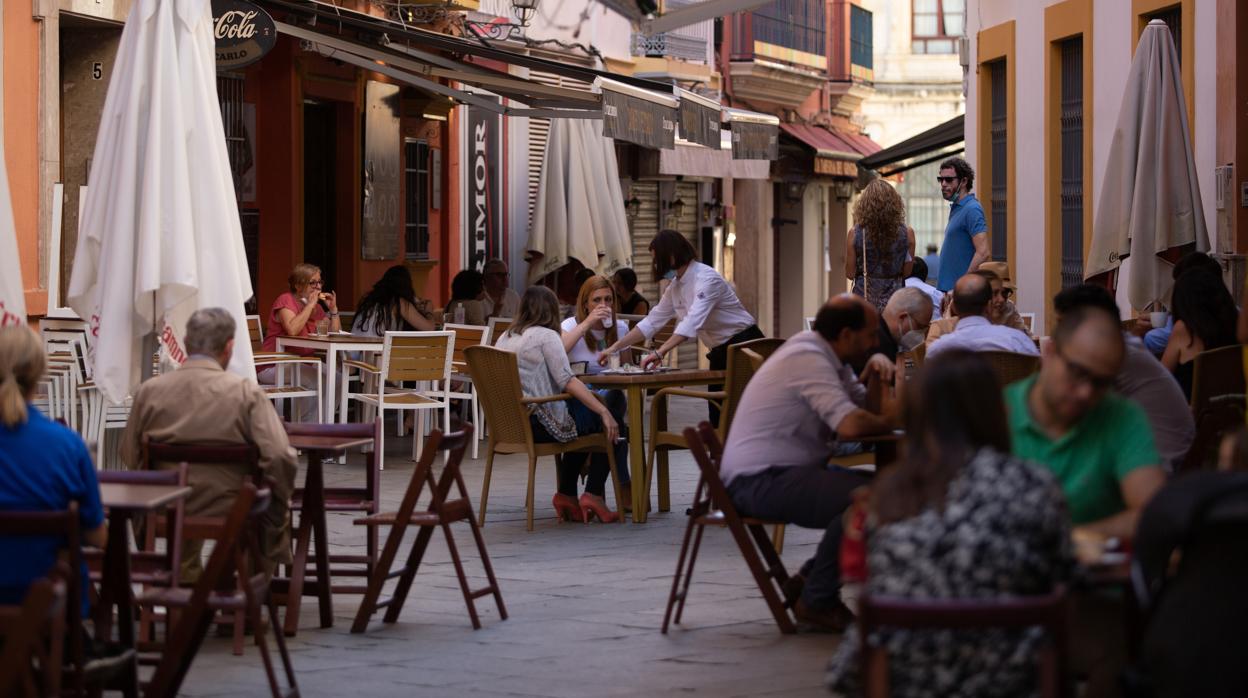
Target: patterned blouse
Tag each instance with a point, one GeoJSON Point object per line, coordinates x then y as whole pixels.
{"type": "Point", "coordinates": [1003, 531]}
{"type": "Point", "coordinates": [884, 267]}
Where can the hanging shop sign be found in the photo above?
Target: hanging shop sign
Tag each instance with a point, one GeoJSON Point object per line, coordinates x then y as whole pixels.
{"type": "Point", "coordinates": [752, 141]}
{"type": "Point", "coordinates": [243, 33]}
{"type": "Point", "coordinates": [484, 213]}
{"type": "Point", "coordinates": [638, 116]}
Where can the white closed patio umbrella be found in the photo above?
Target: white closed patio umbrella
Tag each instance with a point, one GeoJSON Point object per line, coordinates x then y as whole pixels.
{"type": "Point", "coordinates": [1149, 209]}
{"type": "Point", "coordinates": [160, 234]}
{"type": "Point", "coordinates": [579, 213]}
{"type": "Point", "coordinates": [12, 295]}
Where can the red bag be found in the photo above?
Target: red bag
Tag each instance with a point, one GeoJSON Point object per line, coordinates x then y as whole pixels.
{"type": "Point", "coordinates": [854, 539]}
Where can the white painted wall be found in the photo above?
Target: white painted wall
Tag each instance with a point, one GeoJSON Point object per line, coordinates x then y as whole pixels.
{"type": "Point", "coordinates": [1112, 25]}
{"type": "Point", "coordinates": [603, 29]}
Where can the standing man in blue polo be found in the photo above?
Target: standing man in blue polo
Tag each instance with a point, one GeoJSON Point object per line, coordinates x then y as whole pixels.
{"type": "Point", "coordinates": [966, 235]}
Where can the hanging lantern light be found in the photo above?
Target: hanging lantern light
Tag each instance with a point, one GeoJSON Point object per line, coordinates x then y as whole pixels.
{"type": "Point", "coordinates": [632, 206]}
{"type": "Point", "coordinates": [524, 9]}
{"type": "Point", "coordinates": [677, 207]}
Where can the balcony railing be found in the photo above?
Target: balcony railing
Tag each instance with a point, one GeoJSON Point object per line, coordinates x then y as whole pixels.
{"type": "Point", "coordinates": [691, 43]}
{"type": "Point", "coordinates": [797, 25]}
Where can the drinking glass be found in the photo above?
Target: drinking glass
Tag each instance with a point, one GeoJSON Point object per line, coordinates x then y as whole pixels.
{"type": "Point", "coordinates": [322, 327]}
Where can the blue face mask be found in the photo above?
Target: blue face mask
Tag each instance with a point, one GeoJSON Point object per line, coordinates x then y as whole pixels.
{"type": "Point", "coordinates": [671, 274]}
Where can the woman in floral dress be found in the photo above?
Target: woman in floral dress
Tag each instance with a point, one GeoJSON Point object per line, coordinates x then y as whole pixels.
{"type": "Point", "coordinates": [959, 518]}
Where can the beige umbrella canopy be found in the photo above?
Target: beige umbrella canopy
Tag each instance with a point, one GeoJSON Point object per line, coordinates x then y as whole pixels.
{"type": "Point", "coordinates": [1150, 207]}
{"type": "Point", "coordinates": [579, 213]}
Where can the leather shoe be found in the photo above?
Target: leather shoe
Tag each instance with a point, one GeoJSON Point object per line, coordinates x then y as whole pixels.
{"type": "Point", "coordinates": [834, 619]}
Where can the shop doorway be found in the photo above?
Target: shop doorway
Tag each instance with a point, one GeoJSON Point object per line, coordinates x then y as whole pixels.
{"type": "Point", "coordinates": [320, 240]}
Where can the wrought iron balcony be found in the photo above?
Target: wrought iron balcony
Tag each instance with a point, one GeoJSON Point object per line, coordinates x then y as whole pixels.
{"type": "Point", "coordinates": [671, 45]}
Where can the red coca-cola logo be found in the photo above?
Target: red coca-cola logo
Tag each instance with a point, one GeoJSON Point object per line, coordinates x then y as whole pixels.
{"type": "Point", "coordinates": [243, 33]}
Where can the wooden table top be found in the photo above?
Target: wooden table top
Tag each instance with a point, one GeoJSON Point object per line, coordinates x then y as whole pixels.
{"type": "Point", "coordinates": [116, 495]}
{"type": "Point", "coordinates": [677, 377]}
{"type": "Point", "coordinates": [345, 338]}
{"type": "Point", "coordinates": [329, 443]}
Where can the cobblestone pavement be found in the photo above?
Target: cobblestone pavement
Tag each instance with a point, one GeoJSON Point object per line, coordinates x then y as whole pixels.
{"type": "Point", "coordinates": [585, 605]}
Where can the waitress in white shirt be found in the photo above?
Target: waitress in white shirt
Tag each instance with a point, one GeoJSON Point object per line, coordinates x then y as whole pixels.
{"type": "Point", "coordinates": [702, 302]}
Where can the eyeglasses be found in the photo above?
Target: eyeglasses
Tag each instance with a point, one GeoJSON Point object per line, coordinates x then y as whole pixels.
{"type": "Point", "coordinates": [318, 282]}
{"type": "Point", "coordinates": [1081, 374]}
{"type": "Point", "coordinates": [946, 180]}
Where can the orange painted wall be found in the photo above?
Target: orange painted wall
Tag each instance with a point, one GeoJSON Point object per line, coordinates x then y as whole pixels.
{"type": "Point", "coordinates": [21, 154]}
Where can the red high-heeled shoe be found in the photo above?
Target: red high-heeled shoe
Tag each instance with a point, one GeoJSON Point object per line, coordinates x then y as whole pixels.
{"type": "Point", "coordinates": [593, 505]}
{"type": "Point", "coordinates": [567, 508]}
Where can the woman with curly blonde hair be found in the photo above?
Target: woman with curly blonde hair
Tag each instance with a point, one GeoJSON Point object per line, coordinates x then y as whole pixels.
{"type": "Point", "coordinates": [880, 224]}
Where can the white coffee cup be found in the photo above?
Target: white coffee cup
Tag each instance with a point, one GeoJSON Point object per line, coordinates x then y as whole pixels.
{"type": "Point", "coordinates": [608, 322]}
{"type": "Point", "coordinates": [1158, 319]}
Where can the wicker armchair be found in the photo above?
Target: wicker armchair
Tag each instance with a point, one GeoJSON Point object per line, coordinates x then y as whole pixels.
{"type": "Point", "coordinates": [1010, 366]}
{"type": "Point", "coordinates": [497, 377]}
{"type": "Point", "coordinates": [662, 441]}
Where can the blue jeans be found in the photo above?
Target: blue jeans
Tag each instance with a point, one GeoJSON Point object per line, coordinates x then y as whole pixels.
{"type": "Point", "coordinates": [587, 422]}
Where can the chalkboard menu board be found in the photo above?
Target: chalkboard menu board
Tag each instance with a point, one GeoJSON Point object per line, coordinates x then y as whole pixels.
{"type": "Point", "coordinates": [382, 173]}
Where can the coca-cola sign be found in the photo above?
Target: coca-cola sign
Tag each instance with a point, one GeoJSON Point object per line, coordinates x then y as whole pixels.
{"type": "Point", "coordinates": [244, 33]}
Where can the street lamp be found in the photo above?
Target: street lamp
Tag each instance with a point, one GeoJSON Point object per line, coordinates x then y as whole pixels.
{"type": "Point", "coordinates": [524, 9]}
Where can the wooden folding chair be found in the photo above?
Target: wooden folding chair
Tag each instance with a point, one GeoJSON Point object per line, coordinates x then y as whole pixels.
{"type": "Point", "coordinates": [227, 584]}
{"type": "Point", "coordinates": [64, 525]}
{"type": "Point", "coordinates": [1048, 612]}
{"type": "Point", "coordinates": [712, 506]}
{"type": "Point", "coordinates": [440, 513]}
{"type": "Point", "coordinates": [1011, 366]}
{"type": "Point", "coordinates": [197, 527]}
{"type": "Point", "coordinates": [34, 637]}
{"type": "Point", "coordinates": [497, 375]}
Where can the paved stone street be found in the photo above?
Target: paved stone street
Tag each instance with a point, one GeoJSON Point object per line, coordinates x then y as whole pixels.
{"type": "Point", "coordinates": [585, 603]}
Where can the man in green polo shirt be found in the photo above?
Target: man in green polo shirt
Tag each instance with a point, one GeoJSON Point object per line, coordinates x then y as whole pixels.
{"type": "Point", "coordinates": [1097, 443]}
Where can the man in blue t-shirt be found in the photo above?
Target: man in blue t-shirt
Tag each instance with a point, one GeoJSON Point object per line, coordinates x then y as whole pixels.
{"type": "Point", "coordinates": [966, 236]}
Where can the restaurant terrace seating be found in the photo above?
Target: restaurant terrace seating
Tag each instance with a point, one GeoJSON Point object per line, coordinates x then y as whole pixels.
{"type": "Point", "coordinates": [33, 639]}
{"type": "Point", "coordinates": [498, 375]}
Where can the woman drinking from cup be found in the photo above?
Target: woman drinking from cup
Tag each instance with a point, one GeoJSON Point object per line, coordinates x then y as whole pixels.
{"type": "Point", "coordinates": [593, 326]}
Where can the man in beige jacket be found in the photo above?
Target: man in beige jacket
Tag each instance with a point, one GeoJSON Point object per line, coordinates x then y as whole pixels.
{"type": "Point", "coordinates": [202, 403]}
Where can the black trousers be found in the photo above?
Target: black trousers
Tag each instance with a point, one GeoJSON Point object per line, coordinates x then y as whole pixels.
{"type": "Point", "coordinates": [718, 358]}
{"type": "Point", "coordinates": [810, 496]}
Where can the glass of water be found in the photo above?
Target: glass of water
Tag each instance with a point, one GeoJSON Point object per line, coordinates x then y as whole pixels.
{"type": "Point", "coordinates": [613, 361]}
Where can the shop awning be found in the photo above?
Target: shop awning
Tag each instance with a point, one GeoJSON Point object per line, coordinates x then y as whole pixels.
{"type": "Point", "coordinates": [836, 152]}
{"type": "Point", "coordinates": [755, 136]}
{"type": "Point", "coordinates": [933, 144]}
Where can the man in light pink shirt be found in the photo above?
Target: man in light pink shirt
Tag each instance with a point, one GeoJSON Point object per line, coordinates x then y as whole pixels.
{"type": "Point", "coordinates": [801, 403]}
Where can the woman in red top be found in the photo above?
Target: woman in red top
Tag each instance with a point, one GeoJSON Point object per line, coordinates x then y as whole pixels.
{"type": "Point", "coordinates": [297, 311]}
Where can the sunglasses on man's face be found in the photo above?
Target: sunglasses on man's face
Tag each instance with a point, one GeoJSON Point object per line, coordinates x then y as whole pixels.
{"type": "Point", "coordinates": [946, 180]}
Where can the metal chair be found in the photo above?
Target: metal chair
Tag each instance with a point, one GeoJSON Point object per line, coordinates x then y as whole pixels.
{"type": "Point", "coordinates": [498, 376]}
{"type": "Point", "coordinates": [420, 357]}
{"type": "Point", "coordinates": [497, 326]}
{"type": "Point", "coordinates": [440, 513]}
{"type": "Point", "coordinates": [469, 336]}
